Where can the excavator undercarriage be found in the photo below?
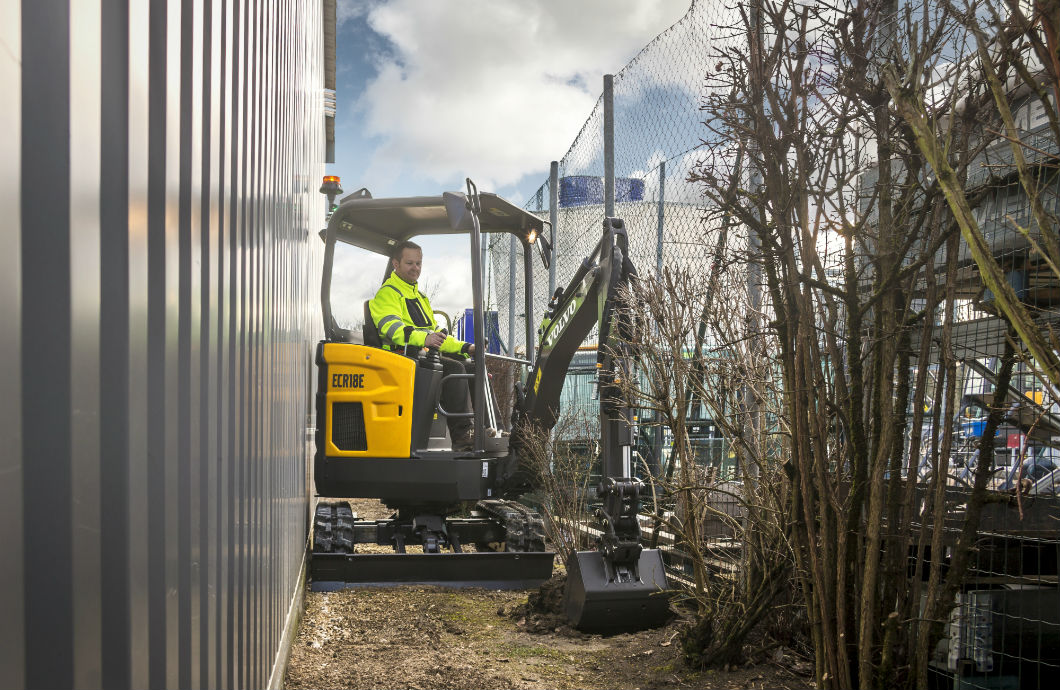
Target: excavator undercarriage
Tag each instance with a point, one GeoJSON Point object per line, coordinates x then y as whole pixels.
{"type": "Point", "coordinates": [506, 540]}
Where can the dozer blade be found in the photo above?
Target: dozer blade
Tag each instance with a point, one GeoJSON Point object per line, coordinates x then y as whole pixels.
{"type": "Point", "coordinates": [492, 570]}
{"type": "Point", "coordinates": [597, 604]}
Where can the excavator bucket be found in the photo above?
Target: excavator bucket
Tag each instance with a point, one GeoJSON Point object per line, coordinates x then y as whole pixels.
{"type": "Point", "coordinates": [597, 602]}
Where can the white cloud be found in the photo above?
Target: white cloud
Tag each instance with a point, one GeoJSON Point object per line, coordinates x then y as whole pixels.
{"type": "Point", "coordinates": [516, 198]}
{"type": "Point", "coordinates": [356, 275]}
{"type": "Point", "coordinates": [494, 88]}
{"type": "Point", "coordinates": [491, 89]}
{"type": "Point", "coordinates": [446, 277]}
{"type": "Point", "coordinates": [346, 10]}
{"type": "Point", "coordinates": [678, 188]}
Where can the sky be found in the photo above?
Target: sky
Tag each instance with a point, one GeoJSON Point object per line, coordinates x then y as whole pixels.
{"type": "Point", "coordinates": [430, 92]}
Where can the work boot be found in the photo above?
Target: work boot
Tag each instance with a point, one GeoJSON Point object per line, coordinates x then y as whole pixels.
{"type": "Point", "coordinates": [464, 440]}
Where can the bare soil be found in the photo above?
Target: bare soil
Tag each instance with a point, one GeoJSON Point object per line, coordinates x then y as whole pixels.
{"type": "Point", "coordinates": [428, 637]}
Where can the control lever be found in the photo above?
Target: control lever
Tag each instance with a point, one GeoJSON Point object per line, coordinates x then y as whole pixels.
{"type": "Point", "coordinates": [433, 354]}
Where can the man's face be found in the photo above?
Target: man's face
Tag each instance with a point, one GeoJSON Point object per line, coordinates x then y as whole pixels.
{"type": "Point", "coordinates": [409, 265]}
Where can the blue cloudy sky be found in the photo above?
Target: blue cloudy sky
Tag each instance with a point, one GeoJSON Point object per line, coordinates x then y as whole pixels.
{"type": "Point", "coordinates": [433, 91]}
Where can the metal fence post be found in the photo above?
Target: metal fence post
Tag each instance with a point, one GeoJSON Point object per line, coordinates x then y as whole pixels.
{"type": "Point", "coordinates": [657, 435]}
{"type": "Point", "coordinates": [511, 294]}
{"type": "Point", "coordinates": [659, 232]}
{"type": "Point", "coordinates": [484, 274]}
{"type": "Point", "coordinates": [528, 268]}
{"type": "Point", "coordinates": [553, 219]}
{"type": "Point", "coordinates": [609, 145]}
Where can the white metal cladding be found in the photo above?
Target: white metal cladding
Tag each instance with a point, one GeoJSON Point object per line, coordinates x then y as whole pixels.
{"type": "Point", "coordinates": [159, 164]}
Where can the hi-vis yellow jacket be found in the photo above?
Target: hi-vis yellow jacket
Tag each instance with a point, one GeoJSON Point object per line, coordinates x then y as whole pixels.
{"type": "Point", "coordinates": [404, 316]}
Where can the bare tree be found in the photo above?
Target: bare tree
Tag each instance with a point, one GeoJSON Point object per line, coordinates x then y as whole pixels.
{"type": "Point", "coordinates": [1017, 56]}
{"type": "Point", "coordinates": [846, 220]}
{"type": "Point", "coordinates": [562, 463]}
{"type": "Point", "coordinates": [1016, 60]}
{"type": "Point", "coordinates": [693, 348]}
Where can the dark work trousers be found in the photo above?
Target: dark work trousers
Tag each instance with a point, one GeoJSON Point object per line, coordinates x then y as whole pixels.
{"type": "Point", "coordinates": [455, 394]}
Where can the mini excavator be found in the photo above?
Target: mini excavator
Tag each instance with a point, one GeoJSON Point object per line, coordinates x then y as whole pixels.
{"type": "Point", "coordinates": [381, 432]}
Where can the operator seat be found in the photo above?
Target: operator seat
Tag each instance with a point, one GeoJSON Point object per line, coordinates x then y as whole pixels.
{"type": "Point", "coordinates": [368, 330]}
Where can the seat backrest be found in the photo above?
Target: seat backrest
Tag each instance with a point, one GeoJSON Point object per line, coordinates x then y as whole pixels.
{"type": "Point", "coordinates": [368, 330]}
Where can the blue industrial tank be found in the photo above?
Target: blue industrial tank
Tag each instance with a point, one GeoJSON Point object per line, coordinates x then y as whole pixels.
{"type": "Point", "coordinates": [464, 329]}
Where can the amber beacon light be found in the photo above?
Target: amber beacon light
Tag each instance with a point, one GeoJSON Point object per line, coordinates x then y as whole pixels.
{"type": "Point", "coordinates": [332, 188]}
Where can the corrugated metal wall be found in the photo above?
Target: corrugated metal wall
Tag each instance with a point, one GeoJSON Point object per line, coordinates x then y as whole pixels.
{"type": "Point", "coordinates": [159, 165]}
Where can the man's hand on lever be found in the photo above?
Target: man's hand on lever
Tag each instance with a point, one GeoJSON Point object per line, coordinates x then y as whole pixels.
{"type": "Point", "coordinates": [438, 337]}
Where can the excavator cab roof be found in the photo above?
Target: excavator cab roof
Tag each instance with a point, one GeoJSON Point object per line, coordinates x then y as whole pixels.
{"type": "Point", "coordinates": [378, 224]}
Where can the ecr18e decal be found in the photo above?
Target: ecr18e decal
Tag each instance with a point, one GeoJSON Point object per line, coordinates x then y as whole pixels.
{"type": "Point", "coordinates": [347, 380]}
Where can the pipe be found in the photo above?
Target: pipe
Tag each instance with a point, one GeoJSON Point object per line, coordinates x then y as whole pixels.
{"type": "Point", "coordinates": [553, 219]}
{"type": "Point", "coordinates": [659, 231]}
{"type": "Point", "coordinates": [609, 145]}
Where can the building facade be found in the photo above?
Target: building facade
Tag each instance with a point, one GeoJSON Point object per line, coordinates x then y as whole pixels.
{"type": "Point", "coordinates": [160, 165]}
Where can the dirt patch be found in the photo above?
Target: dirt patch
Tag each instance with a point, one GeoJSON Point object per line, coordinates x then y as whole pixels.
{"type": "Point", "coordinates": [428, 637]}
{"type": "Point", "coordinates": [542, 612]}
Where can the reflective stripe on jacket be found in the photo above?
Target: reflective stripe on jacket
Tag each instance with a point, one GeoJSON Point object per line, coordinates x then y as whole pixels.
{"type": "Point", "coordinates": [403, 316]}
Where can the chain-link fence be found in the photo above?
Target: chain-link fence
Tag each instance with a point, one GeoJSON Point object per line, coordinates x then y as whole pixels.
{"type": "Point", "coordinates": [657, 124]}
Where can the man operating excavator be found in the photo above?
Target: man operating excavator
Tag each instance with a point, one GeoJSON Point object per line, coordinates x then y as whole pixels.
{"type": "Point", "coordinates": [406, 323]}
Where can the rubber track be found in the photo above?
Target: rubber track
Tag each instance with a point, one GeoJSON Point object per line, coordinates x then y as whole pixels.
{"type": "Point", "coordinates": [333, 528]}
{"type": "Point", "coordinates": [524, 528]}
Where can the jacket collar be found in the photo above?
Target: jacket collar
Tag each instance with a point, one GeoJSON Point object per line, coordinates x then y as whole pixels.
{"type": "Point", "coordinates": [401, 284]}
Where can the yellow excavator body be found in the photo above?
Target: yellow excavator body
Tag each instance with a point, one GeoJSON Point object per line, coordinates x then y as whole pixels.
{"type": "Point", "coordinates": [368, 406]}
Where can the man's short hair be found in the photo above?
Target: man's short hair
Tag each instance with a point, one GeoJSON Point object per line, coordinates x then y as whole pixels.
{"type": "Point", "coordinates": [402, 246]}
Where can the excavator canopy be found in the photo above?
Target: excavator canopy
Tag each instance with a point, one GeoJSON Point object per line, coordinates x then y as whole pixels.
{"type": "Point", "coordinates": [378, 224]}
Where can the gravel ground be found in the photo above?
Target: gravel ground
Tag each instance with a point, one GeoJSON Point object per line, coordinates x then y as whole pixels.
{"type": "Point", "coordinates": [428, 637]}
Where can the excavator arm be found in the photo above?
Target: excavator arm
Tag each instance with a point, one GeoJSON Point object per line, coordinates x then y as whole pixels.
{"type": "Point", "coordinates": [587, 300]}
{"type": "Point", "coordinates": [620, 585]}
